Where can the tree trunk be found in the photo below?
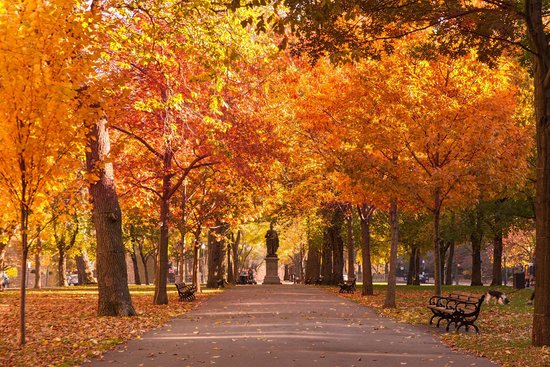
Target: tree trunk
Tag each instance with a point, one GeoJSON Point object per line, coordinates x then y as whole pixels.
{"type": "Point", "coordinates": [476, 261]}
{"type": "Point", "coordinates": [144, 258]}
{"type": "Point", "coordinates": [497, 259]}
{"type": "Point", "coordinates": [436, 243]}
{"type": "Point", "coordinates": [37, 275]}
{"type": "Point", "coordinates": [313, 264]}
{"type": "Point", "coordinates": [416, 280]}
{"type": "Point", "coordinates": [351, 247]}
{"type": "Point", "coordinates": [235, 249]}
{"type": "Point", "coordinates": [85, 273]}
{"type": "Point", "coordinates": [196, 259]}
{"type": "Point", "coordinates": [450, 262]}
{"type": "Point", "coordinates": [335, 231]}
{"type": "Point", "coordinates": [326, 258]}
{"type": "Point", "coordinates": [476, 238]}
{"type": "Point", "coordinates": [161, 271]}
{"type": "Point", "coordinates": [216, 254]}
{"type": "Point", "coordinates": [412, 266]}
{"type": "Point", "coordinates": [541, 62]}
{"type": "Point", "coordinates": [133, 255]}
{"type": "Point", "coordinates": [61, 266]}
{"type": "Point", "coordinates": [114, 295]}
{"type": "Point", "coordinates": [230, 276]}
{"type": "Point", "coordinates": [24, 256]}
{"type": "Point", "coordinates": [392, 277]}
{"type": "Point", "coordinates": [365, 214]}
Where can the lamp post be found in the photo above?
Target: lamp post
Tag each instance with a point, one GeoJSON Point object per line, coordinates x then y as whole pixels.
{"type": "Point", "coordinates": [28, 272]}
{"type": "Point", "coordinates": [505, 270]}
{"type": "Point", "coordinates": [202, 261]}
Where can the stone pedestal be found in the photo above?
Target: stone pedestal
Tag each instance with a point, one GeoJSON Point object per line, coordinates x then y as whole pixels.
{"type": "Point", "coordinates": [272, 270]}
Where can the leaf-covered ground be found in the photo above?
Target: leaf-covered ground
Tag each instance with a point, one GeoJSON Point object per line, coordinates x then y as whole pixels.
{"type": "Point", "coordinates": [505, 329]}
{"type": "Point", "coordinates": [64, 330]}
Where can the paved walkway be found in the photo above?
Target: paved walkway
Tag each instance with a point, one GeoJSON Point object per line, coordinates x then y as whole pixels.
{"type": "Point", "coordinates": [286, 325]}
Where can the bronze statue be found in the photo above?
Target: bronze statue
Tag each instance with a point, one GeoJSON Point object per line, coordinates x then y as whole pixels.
{"type": "Point", "coordinates": [272, 241]}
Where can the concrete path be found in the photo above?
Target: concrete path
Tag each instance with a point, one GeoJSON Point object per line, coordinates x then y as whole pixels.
{"type": "Point", "coordinates": [286, 325]}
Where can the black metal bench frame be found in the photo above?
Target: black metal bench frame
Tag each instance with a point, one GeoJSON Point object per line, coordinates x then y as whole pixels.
{"type": "Point", "coordinates": [186, 292]}
{"type": "Point", "coordinates": [348, 286]}
{"type": "Point", "coordinates": [458, 309]}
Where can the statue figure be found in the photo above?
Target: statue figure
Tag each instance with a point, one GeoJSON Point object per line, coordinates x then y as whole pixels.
{"type": "Point", "coordinates": [272, 241]}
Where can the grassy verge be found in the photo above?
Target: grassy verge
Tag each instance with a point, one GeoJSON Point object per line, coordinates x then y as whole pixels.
{"type": "Point", "coordinates": [64, 330]}
{"type": "Point", "coordinates": [505, 329]}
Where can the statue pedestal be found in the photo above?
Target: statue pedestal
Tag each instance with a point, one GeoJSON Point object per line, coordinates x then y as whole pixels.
{"type": "Point", "coordinates": [272, 270]}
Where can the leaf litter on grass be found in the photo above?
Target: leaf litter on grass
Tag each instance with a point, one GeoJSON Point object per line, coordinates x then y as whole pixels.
{"type": "Point", "coordinates": [63, 328]}
{"type": "Point", "coordinates": [505, 329]}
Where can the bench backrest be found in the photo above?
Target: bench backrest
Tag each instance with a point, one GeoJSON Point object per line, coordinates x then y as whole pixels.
{"type": "Point", "coordinates": [468, 303]}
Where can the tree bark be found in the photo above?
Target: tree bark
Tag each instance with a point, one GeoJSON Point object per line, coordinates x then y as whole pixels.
{"type": "Point", "coordinates": [37, 275]}
{"type": "Point", "coordinates": [313, 263]}
{"type": "Point", "coordinates": [497, 259]}
{"type": "Point", "coordinates": [85, 273]}
{"type": "Point", "coordinates": [161, 271]}
{"type": "Point", "coordinates": [436, 242]}
{"type": "Point", "coordinates": [476, 238]}
{"type": "Point", "coordinates": [476, 261]}
{"type": "Point", "coordinates": [541, 63]}
{"type": "Point", "coordinates": [412, 266]}
{"type": "Point", "coordinates": [351, 245]}
{"type": "Point", "coordinates": [133, 255]}
{"type": "Point", "coordinates": [416, 280]}
{"type": "Point", "coordinates": [230, 276]}
{"type": "Point", "coordinates": [216, 254]}
{"type": "Point", "coordinates": [114, 295]}
{"type": "Point", "coordinates": [144, 257]}
{"type": "Point", "coordinates": [450, 262]}
{"type": "Point", "coordinates": [24, 256]}
{"type": "Point", "coordinates": [196, 259]}
{"type": "Point", "coordinates": [235, 249]}
{"type": "Point", "coordinates": [335, 231]}
{"type": "Point", "coordinates": [326, 258]}
{"type": "Point", "coordinates": [392, 277]}
{"type": "Point", "coordinates": [61, 266]}
{"type": "Point", "coordinates": [365, 215]}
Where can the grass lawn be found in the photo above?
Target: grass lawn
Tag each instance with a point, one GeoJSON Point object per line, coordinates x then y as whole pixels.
{"type": "Point", "coordinates": [64, 330]}
{"type": "Point", "coordinates": [505, 329]}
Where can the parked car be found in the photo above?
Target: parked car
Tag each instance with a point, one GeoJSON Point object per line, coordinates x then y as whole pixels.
{"type": "Point", "coordinates": [72, 279]}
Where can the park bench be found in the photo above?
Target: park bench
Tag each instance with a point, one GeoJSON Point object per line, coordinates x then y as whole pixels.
{"type": "Point", "coordinates": [347, 286]}
{"type": "Point", "coordinates": [185, 292]}
{"type": "Point", "coordinates": [458, 308]}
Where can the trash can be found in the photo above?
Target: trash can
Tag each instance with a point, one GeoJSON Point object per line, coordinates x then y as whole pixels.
{"type": "Point", "coordinates": [519, 280]}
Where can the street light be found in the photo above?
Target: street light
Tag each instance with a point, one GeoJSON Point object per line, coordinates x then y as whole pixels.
{"type": "Point", "coordinates": [28, 272]}
{"type": "Point", "coordinates": [203, 262]}
{"type": "Point", "coordinates": [505, 271]}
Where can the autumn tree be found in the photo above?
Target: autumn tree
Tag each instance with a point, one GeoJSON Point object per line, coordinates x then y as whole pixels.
{"type": "Point", "coordinates": [455, 27]}
{"type": "Point", "coordinates": [41, 69]}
